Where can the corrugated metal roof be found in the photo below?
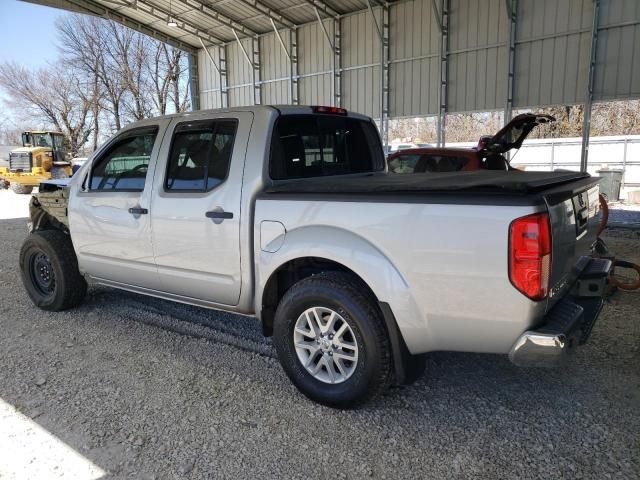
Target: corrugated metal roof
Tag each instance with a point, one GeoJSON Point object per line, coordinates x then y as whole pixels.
{"type": "Point", "coordinates": [218, 18]}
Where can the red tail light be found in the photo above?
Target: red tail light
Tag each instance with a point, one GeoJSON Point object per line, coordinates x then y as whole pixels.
{"type": "Point", "coordinates": [333, 110]}
{"type": "Point", "coordinates": [530, 255]}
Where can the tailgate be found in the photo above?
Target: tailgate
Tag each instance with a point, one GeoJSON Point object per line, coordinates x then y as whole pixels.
{"type": "Point", "coordinates": [573, 213]}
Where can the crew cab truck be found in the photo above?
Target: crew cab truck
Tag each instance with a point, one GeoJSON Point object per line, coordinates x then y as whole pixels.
{"type": "Point", "coordinates": [287, 213]}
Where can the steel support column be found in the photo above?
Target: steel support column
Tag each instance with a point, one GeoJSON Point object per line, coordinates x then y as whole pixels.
{"type": "Point", "coordinates": [383, 34]}
{"type": "Point", "coordinates": [253, 60]}
{"type": "Point", "coordinates": [384, 65]}
{"type": "Point", "coordinates": [293, 61]}
{"type": "Point", "coordinates": [222, 73]}
{"type": "Point", "coordinates": [442, 18]}
{"type": "Point", "coordinates": [256, 79]}
{"type": "Point", "coordinates": [335, 55]}
{"type": "Point", "coordinates": [222, 77]}
{"type": "Point", "coordinates": [512, 11]}
{"type": "Point", "coordinates": [294, 85]}
{"type": "Point", "coordinates": [337, 62]}
{"type": "Point", "coordinates": [194, 88]}
{"type": "Point", "coordinates": [586, 125]}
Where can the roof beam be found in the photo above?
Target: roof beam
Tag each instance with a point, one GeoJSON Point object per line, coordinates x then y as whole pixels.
{"type": "Point", "coordinates": [275, 29]}
{"type": "Point", "coordinates": [93, 8]}
{"type": "Point", "coordinates": [324, 29]}
{"type": "Point", "coordinates": [219, 17]}
{"type": "Point", "coordinates": [163, 14]}
{"type": "Point", "coordinates": [274, 15]}
{"type": "Point", "coordinates": [323, 7]}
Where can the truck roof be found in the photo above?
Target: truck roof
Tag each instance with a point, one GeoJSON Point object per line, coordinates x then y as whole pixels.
{"type": "Point", "coordinates": [283, 109]}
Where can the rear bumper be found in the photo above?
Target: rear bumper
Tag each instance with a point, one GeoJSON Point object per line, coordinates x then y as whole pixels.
{"type": "Point", "coordinates": [568, 323]}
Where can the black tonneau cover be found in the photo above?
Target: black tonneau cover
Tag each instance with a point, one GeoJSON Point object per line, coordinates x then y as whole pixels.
{"type": "Point", "coordinates": [489, 181]}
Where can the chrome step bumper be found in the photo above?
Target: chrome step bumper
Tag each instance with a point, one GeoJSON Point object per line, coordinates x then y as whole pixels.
{"type": "Point", "coordinates": [567, 324]}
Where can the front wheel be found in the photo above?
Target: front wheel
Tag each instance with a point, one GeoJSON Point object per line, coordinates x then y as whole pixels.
{"type": "Point", "coordinates": [331, 340]}
{"type": "Point", "coordinates": [49, 271]}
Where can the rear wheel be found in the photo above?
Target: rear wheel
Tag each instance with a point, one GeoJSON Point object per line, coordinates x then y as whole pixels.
{"type": "Point", "coordinates": [331, 340]}
{"type": "Point", "coordinates": [21, 189]}
{"type": "Point", "coordinates": [49, 271]}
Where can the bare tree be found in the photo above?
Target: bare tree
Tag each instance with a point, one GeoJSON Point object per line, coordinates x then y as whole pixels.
{"type": "Point", "coordinates": [10, 133]}
{"type": "Point", "coordinates": [85, 42]}
{"type": "Point", "coordinates": [130, 51]}
{"type": "Point", "coordinates": [55, 96]}
{"type": "Point", "coordinates": [132, 76]}
{"type": "Point", "coordinates": [167, 72]}
{"type": "Point", "coordinates": [179, 77]}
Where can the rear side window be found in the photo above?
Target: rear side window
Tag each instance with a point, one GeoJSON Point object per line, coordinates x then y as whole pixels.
{"type": "Point", "coordinates": [200, 155]}
{"type": "Point", "coordinates": [123, 167]}
{"type": "Point", "coordinates": [306, 146]}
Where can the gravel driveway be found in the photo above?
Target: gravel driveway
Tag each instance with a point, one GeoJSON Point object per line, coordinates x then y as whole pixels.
{"type": "Point", "coordinates": [148, 389]}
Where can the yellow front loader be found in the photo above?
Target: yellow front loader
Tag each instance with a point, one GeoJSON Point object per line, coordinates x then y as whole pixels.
{"type": "Point", "coordinates": [41, 157]}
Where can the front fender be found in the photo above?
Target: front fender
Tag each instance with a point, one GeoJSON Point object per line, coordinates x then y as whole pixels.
{"type": "Point", "coordinates": [358, 255]}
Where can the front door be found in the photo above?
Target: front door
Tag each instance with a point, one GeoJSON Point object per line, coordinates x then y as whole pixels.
{"type": "Point", "coordinates": [109, 213]}
{"type": "Point", "coordinates": [195, 209]}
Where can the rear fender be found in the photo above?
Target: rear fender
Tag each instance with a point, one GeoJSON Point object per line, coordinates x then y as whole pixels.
{"type": "Point", "coordinates": [358, 255]}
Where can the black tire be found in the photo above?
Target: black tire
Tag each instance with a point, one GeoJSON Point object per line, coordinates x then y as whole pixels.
{"type": "Point", "coordinates": [58, 172]}
{"type": "Point", "coordinates": [344, 294]}
{"type": "Point", "coordinates": [48, 255]}
{"type": "Point", "coordinates": [20, 189]}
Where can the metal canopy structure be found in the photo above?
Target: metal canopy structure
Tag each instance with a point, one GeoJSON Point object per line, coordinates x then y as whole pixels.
{"type": "Point", "coordinates": [392, 59]}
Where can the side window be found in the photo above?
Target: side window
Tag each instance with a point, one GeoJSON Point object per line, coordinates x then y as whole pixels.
{"type": "Point", "coordinates": [124, 166]}
{"type": "Point", "coordinates": [200, 155]}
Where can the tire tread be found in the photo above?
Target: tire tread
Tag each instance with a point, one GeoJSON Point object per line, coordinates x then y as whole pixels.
{"type": "Point", "coordinates": [71, 287]}
{"type": "Point", "coordinates": [354, 287]}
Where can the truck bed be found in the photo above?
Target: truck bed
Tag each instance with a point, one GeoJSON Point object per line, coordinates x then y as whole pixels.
{"type": "Point", "coordinates": [447, 233]}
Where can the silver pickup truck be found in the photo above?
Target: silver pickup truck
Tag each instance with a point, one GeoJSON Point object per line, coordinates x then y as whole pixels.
{"type": "Point", "coordinates": [287, 214]}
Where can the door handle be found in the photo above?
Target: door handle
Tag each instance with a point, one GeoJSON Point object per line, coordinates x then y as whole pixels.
{"type": "Point", "coordinates": [138, 211]}
{"type": "Point", "coordinates": [219, 214]}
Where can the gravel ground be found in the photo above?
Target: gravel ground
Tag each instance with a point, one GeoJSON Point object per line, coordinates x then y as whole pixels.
{"type": "Point", "coordinates": [144, 388]}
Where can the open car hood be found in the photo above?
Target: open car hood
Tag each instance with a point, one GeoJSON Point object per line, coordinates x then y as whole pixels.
{"type": "Point", "coordinates": [514, 133]}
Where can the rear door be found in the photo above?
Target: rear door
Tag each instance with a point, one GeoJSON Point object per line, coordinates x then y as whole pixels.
{"type": "Point", "coordinates": [109, 213]}
{"type": "Point", "coordinates": [195, 210]}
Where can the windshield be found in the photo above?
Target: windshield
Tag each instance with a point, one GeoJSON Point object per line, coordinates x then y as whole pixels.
{"type": "Point", "coordinates": [42, 140]}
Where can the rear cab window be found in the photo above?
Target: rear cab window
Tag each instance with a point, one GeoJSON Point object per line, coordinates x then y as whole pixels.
{"type": "Point", "coordinates": [320, 145]}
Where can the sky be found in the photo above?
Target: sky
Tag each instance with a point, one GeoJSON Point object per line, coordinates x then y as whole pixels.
{"type": "Point", "coordinates": [27, 33]}
{"type": "Point", "coordinates": [34, 26]}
